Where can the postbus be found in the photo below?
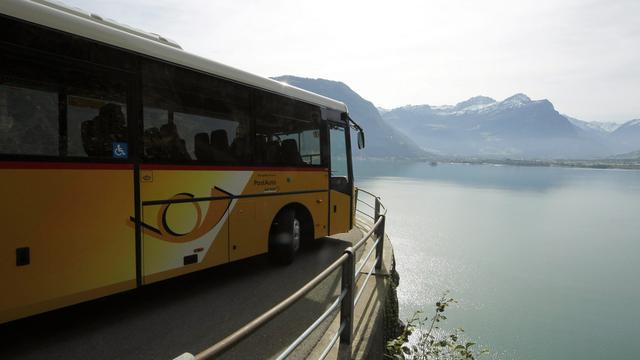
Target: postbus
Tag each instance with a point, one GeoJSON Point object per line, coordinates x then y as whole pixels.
{"type": "Point", "coordinates": [125, 160]}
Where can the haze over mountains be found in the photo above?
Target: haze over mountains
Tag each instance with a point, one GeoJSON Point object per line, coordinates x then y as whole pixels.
{"type": "Point", "coordinates": [480, 127]}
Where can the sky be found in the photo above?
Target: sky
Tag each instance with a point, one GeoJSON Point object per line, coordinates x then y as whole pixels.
{"type": "Point", "coordinates": [582, 55]}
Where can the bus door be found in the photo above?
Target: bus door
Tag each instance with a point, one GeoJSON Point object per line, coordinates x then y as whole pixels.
{"type": "Point", "coordinates": [184, 215]}
{"type": "Point", "coordinates": [341, 181]}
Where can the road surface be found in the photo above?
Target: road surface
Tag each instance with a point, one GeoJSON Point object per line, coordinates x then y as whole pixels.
{"type": "Point", "coordinates": [186, 314]}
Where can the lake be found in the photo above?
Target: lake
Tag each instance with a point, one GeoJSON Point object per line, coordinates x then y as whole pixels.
{"type": "Point", "coordinates": [543, 261]}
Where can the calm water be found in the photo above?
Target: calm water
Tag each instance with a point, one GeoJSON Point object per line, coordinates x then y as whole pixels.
{"type": "Point", "coordinates": [543, 261]}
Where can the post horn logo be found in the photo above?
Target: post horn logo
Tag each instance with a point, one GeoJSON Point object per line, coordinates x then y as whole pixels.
{"type": "Point", "coordinates": [219, 203]}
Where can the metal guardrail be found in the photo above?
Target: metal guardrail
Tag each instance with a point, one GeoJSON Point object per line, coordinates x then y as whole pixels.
{"type": "Point", "coordinates": [346, 300]}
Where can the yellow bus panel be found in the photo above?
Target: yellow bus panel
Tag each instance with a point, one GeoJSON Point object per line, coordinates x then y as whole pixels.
{"type": "Point", "coordinates": [75, 224]}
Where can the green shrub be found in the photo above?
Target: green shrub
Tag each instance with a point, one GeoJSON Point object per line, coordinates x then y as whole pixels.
{"type": "Point", "coordinates": [427, 343]}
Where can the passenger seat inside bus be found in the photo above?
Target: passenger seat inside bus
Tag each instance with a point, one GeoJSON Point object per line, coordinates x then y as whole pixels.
{"type": "Point", "coordinates": [152, 143]}
{"type": "Point", "coordinates": [290, 153]}
{"type": "Point", "coordinates": [220, 145]}
{"type": "Point", "coordinates": [220, 141]}
{"type": "Point", "coordinates": [272, 152]}
{"type": "Point", "coordinates": [174, 146]}
{"type": "Point", "coordinates": [99, 133]}
{"type": "Point", "coordinates": [212, 148]}
{"type": "Point", "coordinates": [240, 148]}
{"type": "Point", "coordinates": [203, 149]}
{"type": "Point", "coordinates": [261, 148]}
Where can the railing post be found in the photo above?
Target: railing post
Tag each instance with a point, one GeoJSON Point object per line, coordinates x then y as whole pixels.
{"type": "Point", "coordinates": [346, 310]}
{"type": "Point", "coordinates": [355, 195]}
{"type": "Point", "coordinates": [377, 210]}
{"type": "Point", "coordinates": [380, 246]}
{"type": "Point", "coordinates": [355, 206]}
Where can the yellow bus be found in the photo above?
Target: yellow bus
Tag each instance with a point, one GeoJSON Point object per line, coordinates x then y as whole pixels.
{"type": "Point", "coordinates": [125, 160]}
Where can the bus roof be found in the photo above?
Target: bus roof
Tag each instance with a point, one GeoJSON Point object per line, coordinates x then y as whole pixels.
{"type": "Point", "coordinates": [59, 16]}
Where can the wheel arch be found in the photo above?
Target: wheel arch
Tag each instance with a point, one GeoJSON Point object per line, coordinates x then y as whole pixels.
{"type": "Point", "coordinates": [302, 214]}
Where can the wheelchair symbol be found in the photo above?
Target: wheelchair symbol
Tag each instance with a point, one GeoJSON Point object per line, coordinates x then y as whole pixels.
{"type": "Point", "coordinates": [120, 150]}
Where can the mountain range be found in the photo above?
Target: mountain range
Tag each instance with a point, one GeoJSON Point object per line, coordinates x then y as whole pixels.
{"type": "Point", "coordinates": [480, 127]}
{"type": "Point", "coordinates": [516, 127]}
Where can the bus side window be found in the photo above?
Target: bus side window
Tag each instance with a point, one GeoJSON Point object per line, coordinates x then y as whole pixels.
{"type": "Point", "coordinates": [209, 118]}
{"type": "Point", "coordinates": [55, 110]}
{"type": "Point", "coordinates": [292, 129]}
{"type": "Point", "coordinates": [28, 120]}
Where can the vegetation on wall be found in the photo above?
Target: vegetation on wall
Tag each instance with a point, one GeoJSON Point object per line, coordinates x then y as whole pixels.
{"type": "Point", "coordinates": [422, 340]}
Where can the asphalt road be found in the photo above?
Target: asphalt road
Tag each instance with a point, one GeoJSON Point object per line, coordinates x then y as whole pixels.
{"type": "Point", "coordinates": [186, 314]}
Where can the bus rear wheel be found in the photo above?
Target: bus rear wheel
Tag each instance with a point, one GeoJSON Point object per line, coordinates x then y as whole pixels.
{"type": "Point", "coordinates": [284, 237]}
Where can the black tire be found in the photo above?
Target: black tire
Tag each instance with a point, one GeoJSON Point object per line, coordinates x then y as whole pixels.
{"type": "Point", "coordinates": [284, 237]}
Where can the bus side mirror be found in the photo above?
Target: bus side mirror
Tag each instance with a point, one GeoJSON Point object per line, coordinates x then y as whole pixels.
{"type": "Point", "coordinates": [360, 139]}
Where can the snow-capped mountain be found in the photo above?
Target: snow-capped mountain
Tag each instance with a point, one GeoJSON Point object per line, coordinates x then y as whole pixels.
{"type": "Point", "coordinates": [477, 103]}
{"type": "Point", "coordinates": [606, 126]}
{"type": "Point", "coordinates": [516, 127]}
{"type": "Point", "coordinates": [515, 101]}
{"type": "Point", "coordinates": [598, 127]}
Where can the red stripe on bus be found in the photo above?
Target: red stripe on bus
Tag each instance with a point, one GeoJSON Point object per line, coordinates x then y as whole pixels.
{"type": "Point", "coordinates": [62, 165]}
{"type": "Point", "coordinates": [230, 168]}
{"type": "Point", "coordinates": [110, 166]}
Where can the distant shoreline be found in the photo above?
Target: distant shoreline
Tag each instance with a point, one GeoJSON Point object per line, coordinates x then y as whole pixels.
{"type": "Point", "coordinates": [585, 164]}
{"type": "Point", "coordinates": [632, 164]}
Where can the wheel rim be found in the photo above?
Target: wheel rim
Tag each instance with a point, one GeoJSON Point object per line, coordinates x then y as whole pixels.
{"type": "Point", "coordinates": [296, 233]}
